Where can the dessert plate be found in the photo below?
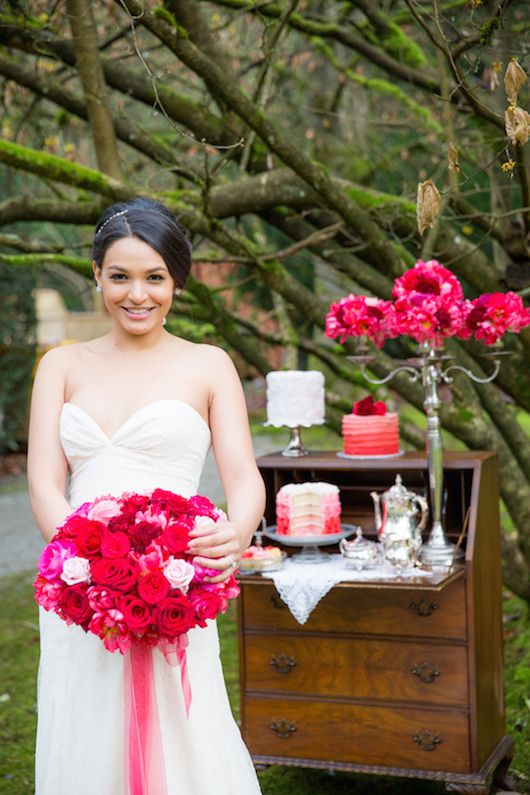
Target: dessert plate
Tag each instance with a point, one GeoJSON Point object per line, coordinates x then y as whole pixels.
{"type": "Point", "coordinates": [310, 544]}
{"type": "Point", "coordinates": [366, 457]}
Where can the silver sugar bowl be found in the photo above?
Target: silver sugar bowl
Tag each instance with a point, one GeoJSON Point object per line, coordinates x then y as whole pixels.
{"type": "Point", "coordinates": [360, 553]}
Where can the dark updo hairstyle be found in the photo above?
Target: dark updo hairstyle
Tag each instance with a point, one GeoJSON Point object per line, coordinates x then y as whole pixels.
{"type": "Point", "coordinates": [151, 222]}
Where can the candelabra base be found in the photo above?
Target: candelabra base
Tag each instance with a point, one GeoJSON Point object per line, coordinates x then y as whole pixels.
{"type": "Point", "coordinates": [438, 552]}
{"type": "Point", "coordinates": [295, 448]}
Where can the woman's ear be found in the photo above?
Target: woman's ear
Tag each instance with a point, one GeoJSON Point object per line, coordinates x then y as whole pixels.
{"type": "Point", "coordinates": [96, 271]}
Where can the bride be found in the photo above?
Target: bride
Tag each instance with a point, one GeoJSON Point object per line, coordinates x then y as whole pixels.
{"type": "Point", "coordinates": [135, 410]}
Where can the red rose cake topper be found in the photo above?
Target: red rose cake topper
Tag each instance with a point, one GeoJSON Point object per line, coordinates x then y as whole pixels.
{"type": "Point", "coordinates": [367, 407]}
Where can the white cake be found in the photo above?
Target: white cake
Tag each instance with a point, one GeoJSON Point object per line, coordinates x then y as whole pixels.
{"type": "Point", "coordinates": [295, 398]}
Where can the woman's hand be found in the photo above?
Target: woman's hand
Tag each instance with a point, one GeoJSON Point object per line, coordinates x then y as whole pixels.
{"type": "Point", "coordinates": [216, 547]}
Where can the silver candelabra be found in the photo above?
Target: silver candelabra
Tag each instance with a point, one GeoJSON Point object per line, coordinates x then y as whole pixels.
{"type": "Point", "coordinates": [432, 366]}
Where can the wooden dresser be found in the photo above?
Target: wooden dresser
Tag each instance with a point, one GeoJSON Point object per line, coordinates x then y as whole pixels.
{"type": "Point", "coordinates": [401, 678]}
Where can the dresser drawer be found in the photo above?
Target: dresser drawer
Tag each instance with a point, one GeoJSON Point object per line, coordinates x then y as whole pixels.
{"type": "Point", "coordinates": [394, 737]}
{"type": "Point", "coordinates": [356, 668]}
{"type": "Point", "coordinates": [385, 611]}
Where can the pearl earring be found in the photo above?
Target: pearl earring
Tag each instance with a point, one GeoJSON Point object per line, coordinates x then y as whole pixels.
{"type": "Point", "coordinates": [178, 290]}
{"type": "Point", "coordinates": [164, 321]}
{"type": "Point", "coordinates": [98, 288]}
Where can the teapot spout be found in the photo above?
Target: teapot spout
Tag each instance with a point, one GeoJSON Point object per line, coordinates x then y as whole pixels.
{"type": "Point", "coordinates": [377, 509]}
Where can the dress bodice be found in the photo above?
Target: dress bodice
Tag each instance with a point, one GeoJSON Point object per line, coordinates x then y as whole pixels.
{"type": "Point", "coordinates": [162, 445]}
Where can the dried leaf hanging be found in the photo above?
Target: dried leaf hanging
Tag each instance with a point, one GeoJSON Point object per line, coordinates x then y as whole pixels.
{"type": "Point", "coordinates": [517, 122]}
{"type": "Point", "coordinates": [427, 205]}
{"type": "Point", "coordinates": [514, 79]}
{"type": "Point", "coordinates": [452, 156]}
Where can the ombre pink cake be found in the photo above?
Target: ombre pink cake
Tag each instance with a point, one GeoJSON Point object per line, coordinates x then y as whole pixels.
{"type": "Point", "coordinates": [304, 509]}
{"type": "Point", "coordinates": [370, 430]}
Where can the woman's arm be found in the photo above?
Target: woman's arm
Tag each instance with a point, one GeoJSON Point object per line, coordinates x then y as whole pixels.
{"type": "Point", "coordinates": [47, 465]}
{"type": "Point", "coordinates": [232, 446]}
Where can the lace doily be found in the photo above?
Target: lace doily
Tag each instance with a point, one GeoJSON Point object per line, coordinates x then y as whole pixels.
{"type": "Point", "coordinates": [302, 586]}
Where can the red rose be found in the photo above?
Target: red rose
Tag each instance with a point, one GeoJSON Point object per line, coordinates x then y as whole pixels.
{"type": "Point", "coordinates": [75, 605]}
{"type": "Point", "coordinates": [115, 545]}
{"type": "Point", "coordinates": [117, 573]}
{"type": "Point", "coordinates": [369, 407]}
{"type": "Point", "coordinates": [169, 501]}
{"type": "Point", "coordinates": [153, 587]}
{"type": "Point", "coordinates": [136, 614]}
{"type": "Point", "coordinates": [142, 533]}
{"type": "Point", "coordinates": [207, 604]}
{"type": "Point", "coordinates": [174, 616]}
{"type": "Point", "coordinates": [176, 538]}
{"type": "Point", "coordinates": [88, 539]}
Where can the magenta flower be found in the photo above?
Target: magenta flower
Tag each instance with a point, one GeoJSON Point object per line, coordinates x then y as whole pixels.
{"type": "Point", "coordinates": [491, 315]}
{"type": "Point", "coordinates": [53, 556]}
{"type": "Point", "coordinates": [360, 316]}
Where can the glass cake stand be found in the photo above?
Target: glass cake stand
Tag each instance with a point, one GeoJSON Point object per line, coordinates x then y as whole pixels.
{"type": "Point", "coordinates": [311, 552]}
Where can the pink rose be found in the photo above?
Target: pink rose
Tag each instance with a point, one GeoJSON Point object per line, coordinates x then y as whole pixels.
{"type": "Point", "coordinates": [179, 573]}
{"type": "Point", "coordinates": [115, 545]}
{"type": "Point", "coordinates": [201, 505]}
{"type": "Point", "coordinates": [75, 570]}
{"type": "Point", "coordinates": [53, 556]}
{"type": "Point", "coordinates": [153, 587]}
{"type": "Point", "coordinates": [103, 510]}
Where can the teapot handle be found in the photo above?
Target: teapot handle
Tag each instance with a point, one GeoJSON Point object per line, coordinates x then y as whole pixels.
{"type": "Point", "coordinates": [424, 507]}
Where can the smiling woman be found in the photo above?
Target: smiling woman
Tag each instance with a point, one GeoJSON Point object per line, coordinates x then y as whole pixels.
{"type": "Point", "coordinates": [133, 411]}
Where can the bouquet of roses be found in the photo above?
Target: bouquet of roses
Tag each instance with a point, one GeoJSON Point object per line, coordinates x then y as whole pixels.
{"type": "Point", "coordinates": [118, 567]}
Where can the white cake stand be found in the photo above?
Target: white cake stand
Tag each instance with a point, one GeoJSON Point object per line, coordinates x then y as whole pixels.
{"type": "Point", "coordinates": [311, 553]}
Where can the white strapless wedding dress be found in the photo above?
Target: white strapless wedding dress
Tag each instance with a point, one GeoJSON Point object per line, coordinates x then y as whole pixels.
{"type": "Point", "coordinates": [80, 737]}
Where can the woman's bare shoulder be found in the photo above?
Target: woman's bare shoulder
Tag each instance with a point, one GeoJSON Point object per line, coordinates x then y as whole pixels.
{"type": "Point", "coordinates": [206, 355]}
{"type": "Point", "coordinates": [63, 355]}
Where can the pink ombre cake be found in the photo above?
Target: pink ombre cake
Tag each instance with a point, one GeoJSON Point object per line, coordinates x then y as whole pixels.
{"type": "Point", "coordinates": [370, 430]}
{"type": "Point", "coordinates": [304, 509]}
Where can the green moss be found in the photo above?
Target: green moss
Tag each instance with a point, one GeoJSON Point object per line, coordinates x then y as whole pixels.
{"type": "Point", "coordinates": [162, 13]}
{"type": "Point", "coordinates": [59, 169]}
{"type": "Point", "coordinates": [380, 85]}
{"type": "Point", "coordinates": [403, 48]}
{"type": "Point", "coordinates": [31, 260]}
{"type": "Point", "coordinates": [372, 199]}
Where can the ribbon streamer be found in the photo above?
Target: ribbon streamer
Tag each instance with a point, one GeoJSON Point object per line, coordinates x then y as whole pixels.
{"type": "Point", "coordinates": [144, 756]}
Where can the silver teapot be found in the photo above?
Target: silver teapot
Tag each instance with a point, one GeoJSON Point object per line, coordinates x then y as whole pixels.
{"type": "Point", "coordinates": [397, 524]}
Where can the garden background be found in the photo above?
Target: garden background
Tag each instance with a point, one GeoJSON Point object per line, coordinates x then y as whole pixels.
{"type": "Point", "coordinates": [291, 138]}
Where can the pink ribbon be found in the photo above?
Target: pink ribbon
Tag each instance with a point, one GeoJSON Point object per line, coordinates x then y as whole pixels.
{"type": "Point", "coordinates": [145, 770]}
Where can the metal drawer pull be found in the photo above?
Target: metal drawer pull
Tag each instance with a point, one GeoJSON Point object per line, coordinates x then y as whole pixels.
{"type": "Point", "coordinates": [424, 607]}
{"type": "Point", "coordinates": [283, 663]}
{"type": "Point", "coordinates": [426, 672]}
{"type": "Point", "coordinates": [284, 728]}
{"type": "Point", "coordinates": [426, 740]}
{"type": "Point", "coordinates": [277, 602]}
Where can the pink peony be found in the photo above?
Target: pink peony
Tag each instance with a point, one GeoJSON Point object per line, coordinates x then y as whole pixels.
{"type": "Point", "coordinates": [359, 316]}
{"type": "Point", "coordinates": [102, 599]}
{"type": "Point", "coordinates": [111, 628]}
{"type": "Point", "coordinates": [207, 604]}
{"type": "Point", "coordinates": [48, 594]}
{"type": "Point", "coordinates": [52, 558]}
{"type": "Point", "coordinates": [491, 315]}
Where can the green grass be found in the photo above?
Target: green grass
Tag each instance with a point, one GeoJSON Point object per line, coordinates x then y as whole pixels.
{"type": "Point", "coordinates": [18, 667]}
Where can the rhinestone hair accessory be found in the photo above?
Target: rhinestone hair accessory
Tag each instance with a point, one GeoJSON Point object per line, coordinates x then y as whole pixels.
{"type": "Point", "coordinates": [122, 212]}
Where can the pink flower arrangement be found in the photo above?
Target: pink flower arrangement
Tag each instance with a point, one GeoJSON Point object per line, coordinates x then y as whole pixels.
{"type": "Point", "coordinates": [118, 567]}
{"type": "Point", "coordinates": [428, 305]}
